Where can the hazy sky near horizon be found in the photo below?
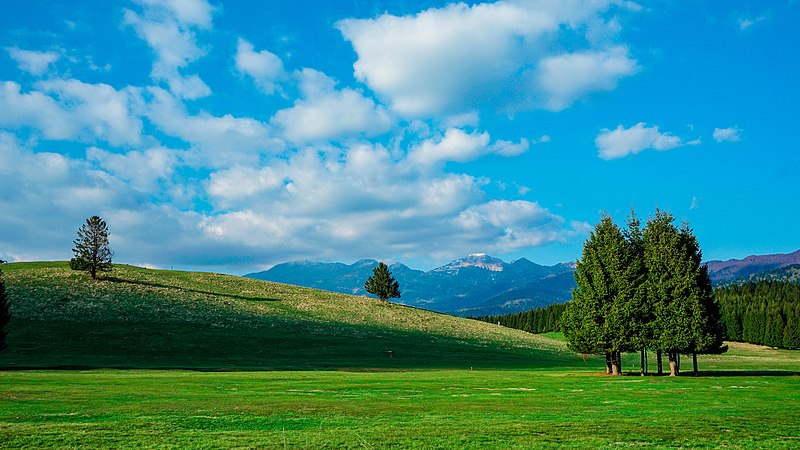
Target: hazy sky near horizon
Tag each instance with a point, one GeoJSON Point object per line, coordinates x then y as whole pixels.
{"type": "Point", "coordinates": [232, 136]}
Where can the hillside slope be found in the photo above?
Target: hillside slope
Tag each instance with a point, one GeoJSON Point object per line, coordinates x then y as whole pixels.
{"type": "Point", "coordinates": [146, 318]}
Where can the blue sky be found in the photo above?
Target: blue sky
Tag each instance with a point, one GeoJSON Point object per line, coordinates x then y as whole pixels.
{"type": "Point", "coordinates": [231, 136]}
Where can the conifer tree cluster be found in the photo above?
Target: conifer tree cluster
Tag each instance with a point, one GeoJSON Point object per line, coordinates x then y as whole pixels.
{"type": "Point", "coordinates": [640, 289]}
{"type": "Point", "coordinates": [539, 320]}
{"type": "Point", "coordinates": [764, 312]}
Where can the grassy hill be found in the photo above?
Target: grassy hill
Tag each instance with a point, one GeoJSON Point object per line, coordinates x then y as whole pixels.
{"type": "Point", "coordinates": [141, 318]}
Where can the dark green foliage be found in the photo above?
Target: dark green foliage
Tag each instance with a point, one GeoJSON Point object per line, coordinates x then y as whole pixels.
{"type": "Point", "coordinates": [607, 311]}
{"type": "Point", "coordinates": [5, 315]}
{"type": "Point", "coordinates": [92, 253]}
{"type": "Point", "coordinates": [763, 312]}
{"type": "Point", "coordinates": [686, 314]}
{"type": "Point", "coordinates": [539, 320]}
{"type": "Point", "coordinates": [382, 284]}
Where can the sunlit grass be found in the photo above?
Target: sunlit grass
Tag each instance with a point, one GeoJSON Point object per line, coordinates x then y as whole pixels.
{"type": "Point", "coordinates": [353, 373]}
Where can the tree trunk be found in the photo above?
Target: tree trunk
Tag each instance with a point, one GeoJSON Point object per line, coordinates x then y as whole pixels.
{"type": "Point", "coordinates": [608, 363]}
{"type": "Point", "coordinates": [673, 364]}
{"type": "Point", "coordinates": [615, 369]}
{"type": "Point", "coordinates": [660, 364]}
{"type": "Point", "coordinates": [642, 360]}
{"type": "Point", "coordinates": [694, 362]}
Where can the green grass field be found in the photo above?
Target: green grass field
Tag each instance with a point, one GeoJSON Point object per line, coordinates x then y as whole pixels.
{"type": "Point", "coordinates": [259, 365]}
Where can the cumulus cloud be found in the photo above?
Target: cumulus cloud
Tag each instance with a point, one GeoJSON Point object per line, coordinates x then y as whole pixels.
{"type": "Point", "coordinates": [459, 146]}
{"type": "Point", "coordinates": [621, 142]}
{"type": "Point", "coordinates": [264, 67]}
{"type": "Point", "coordinates": [731, 134]}
{"type": "Point", "coordinates": [567, 77]}
{"type": "Point", "coordinates": [365, 202]}
{"type": "Point", "coordinates": [509, 55]}
{"type": "Point", "coordinates": [31, 61]}
{"type": "Point", "coordinates": [325, 113]}
{"type": "Point", "coordinates": [222, 140]}
{"type": "Point", "coordinates": [71, 109]}
{"type": "Point", "coordinates": [142, 170]}
{"type": "Point", "coordinates": [169, 28]}
{"type": "Point", "coordinates": [511, 225]}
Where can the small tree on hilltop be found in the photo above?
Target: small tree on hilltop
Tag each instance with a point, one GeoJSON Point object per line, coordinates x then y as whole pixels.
{"type": "Point", "coordinates": [5, 315]}
{"type": "Point", "coordinates": [382, 284]}
{"type": "Point", "coordinates": [92, 253]}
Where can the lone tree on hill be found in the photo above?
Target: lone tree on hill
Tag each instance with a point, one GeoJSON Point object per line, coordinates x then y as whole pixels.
{"type": "Point", "coordinates": [5, 315]}
{"type": "Point", "coordinates": [382, 284]}
{"type": "Point", "coordinates": [92, 253]}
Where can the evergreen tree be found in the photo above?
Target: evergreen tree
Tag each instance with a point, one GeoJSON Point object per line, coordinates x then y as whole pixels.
{"type": "Point", "coordinates": [604, 315]}
{"type": "Point", "coordinates": [92, 253]}
{"type": "Point", "coordinates": [5, 314]}
{"type": "Point", "coordinates": [686, 316]}
{"type": "Point", "coordinates": [382, 284]}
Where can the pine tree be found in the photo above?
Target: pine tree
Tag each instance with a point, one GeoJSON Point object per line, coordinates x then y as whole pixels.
{"type": "Point", "coordinates": [382, 284]}
{"type": "Point", "coordinates": [5, 314]}
{"type": "Point", "coordinates": [605, 310]}
{"type": "Point", "coordinates": [92, 253]}
{"type": "Point", "coordinates": [686, 316]}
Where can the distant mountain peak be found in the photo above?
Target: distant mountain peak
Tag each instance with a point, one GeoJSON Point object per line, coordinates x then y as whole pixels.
{"type": "Point", "coordinates": [479, 260]}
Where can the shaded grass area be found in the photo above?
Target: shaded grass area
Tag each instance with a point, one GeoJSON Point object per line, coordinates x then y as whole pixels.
{"type": "Point", "coordinates": [422, 409]}
{"type": "Point", "coordinates": [138, 318]}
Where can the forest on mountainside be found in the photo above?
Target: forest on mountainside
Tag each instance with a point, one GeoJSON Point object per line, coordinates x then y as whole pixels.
{"type": "Point", "coordinates": [765, 312]}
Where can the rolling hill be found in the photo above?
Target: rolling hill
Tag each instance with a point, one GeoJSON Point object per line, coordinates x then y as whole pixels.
{"type": "Point", "coordinates": [144, 318]}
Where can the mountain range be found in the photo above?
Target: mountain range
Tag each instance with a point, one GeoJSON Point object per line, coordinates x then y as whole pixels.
{"type": "Point", "coordinates": [482, 285]}
{"type": "Point", "coordinates": [475, 285]}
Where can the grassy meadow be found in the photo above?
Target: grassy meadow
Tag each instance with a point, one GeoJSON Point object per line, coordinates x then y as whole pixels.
{"type": "Point", "coordinates": [188, 360]}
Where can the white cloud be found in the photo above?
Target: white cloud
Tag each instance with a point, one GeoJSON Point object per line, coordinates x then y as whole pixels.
{"type": "Point", "coordinates": [221, 141]}
{"type": "Point", "coordinates": [190, 12]}
{"type": "Point", "coordinates": [460, 57]}
{"type": "Point", "coordinates": [459, 146]}
{"type": "Point", "coordinates": [142, 170]}
{"type": "Point", "coordinates": [567, 77]}
{"type": "Point", "coordinates": [620, 142]}
{"type": "Point", "coordinates": [71, 109]}
{"type": "Point", "coordinates": [264, 67]}
{"type": "Point", "coordinates": [169, 28]}
{"type": "Point", "coordinates": [512, 225]}
{"type": "Point", "coordinates": [364, 202]}
{"type": "Point", "coordinates": [326, 113]}
{"type": "Point", "coordinates": [747, 22]}
{"type": "Point", "coordinates": [33, 62]}
{"type": "Point", "coordinates": [731, 134]}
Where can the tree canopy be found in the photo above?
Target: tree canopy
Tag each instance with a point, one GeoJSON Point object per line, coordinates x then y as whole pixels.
{"type": "Point", "coordinates": [639, 289]}
{"type": "Point", "coordinates": [92, 252]}
{"type": "Point", "coordinates": [382, 284]}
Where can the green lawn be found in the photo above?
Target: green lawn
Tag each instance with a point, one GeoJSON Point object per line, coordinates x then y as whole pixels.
{"type": "Point", "coordinates": [427, 409]}
{"type": "Point", "coordinates": [277, 366]}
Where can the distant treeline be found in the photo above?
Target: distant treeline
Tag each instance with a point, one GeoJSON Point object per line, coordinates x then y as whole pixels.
{"type": "Point", "coordinates": [763, 312]}
{"type": "Point", "coordinates": [540, 320]}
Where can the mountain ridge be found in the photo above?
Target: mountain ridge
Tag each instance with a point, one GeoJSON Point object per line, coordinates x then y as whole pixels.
{"type": "Point", "coordinates": [479, 284]}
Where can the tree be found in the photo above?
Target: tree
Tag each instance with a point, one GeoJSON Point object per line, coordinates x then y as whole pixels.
{"type": "Point", "coordinates": [606, 309]}
{"type": "Point", "coordinates": [382, 284]}
{"type": "Point", "coordinates": [5, 315]}
{"type": "Point", "coordinates": [686, 315]}
{"type": "Point", "coordinates": [92, 253]}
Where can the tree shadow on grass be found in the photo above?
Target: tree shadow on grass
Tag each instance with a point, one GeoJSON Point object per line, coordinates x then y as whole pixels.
{"type": "Point", "coordinates": [196, 291]}
{"type": "Point", "coordinates": [724, 373]}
